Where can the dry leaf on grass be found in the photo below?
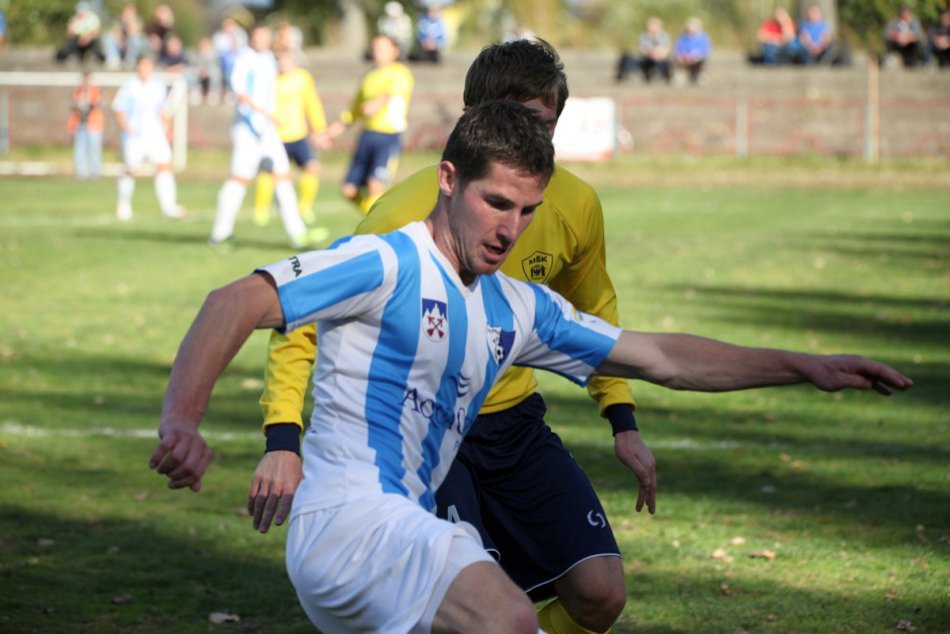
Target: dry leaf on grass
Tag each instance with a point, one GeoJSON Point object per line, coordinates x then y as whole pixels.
{"type": "Point", "coordinates": [720, 554]}
{"type": "Point", "coordinates": [223, 617]}
{"type": "Point", "coordinates": [763, 554]}
{"type": "Point", "coordinates": [45, 542]}
{"type": "Point", "coordinates": [905, 625]}
{"type": "Point", "coordinates": [122, 598]}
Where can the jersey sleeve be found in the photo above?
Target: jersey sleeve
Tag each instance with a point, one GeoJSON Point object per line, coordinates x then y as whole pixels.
{"type": "Point", "coordinates": [290, 358]}
{"type": "Point", "coordinates": [346, 280]}
{"type": "Point", "coordinates": [561, 339]}
{"type": "Point", "coordinates": [584, 281]}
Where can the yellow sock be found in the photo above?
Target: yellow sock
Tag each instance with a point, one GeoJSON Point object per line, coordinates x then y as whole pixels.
{"type": "Point", "coordinates": [263, 195]}
{"type": "Point", "coordinates": [554, 619]}
{"type": "Point", "coordinates": [366, 202]}
{"type": "Point", "coordinates": [309, 186]}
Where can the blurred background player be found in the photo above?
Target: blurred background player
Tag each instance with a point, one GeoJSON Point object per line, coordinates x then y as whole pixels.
{"type": "Point", "coordinates": [382, 105]}
{"type": "Point", "coordinates": [254, 138]}
{"type": "Point", "coordinates": [300, 122]}
{"type": "Point", "coordinates": [142, 113]}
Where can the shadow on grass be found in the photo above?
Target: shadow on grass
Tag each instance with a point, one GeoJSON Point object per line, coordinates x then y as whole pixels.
{"type": "Point", "coordinates": [739, 462]}
{"type": "Point", "coordinates": [63, 575]}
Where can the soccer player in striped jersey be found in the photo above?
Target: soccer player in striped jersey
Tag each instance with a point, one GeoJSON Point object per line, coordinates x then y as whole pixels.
{"type": "Point", "coordinates": [557, 543]}
{"type": "Point", "coordinates": [414, 327]}
{"type": "Point", "coordinates": [381, 103]}
{"type": "Point", "coordinates": [141, 110]}
{"type": "Point", "coordinates": [254, 138]}
{"type": "Point", "coordinates": [302, 126]}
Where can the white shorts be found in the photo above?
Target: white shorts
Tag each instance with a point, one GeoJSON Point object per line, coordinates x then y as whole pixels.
{"type": "Point", "coordinates": [250, 148]}
{"type": "Point", "coordinates": [147, 145]}
{"type": "Point", "coordinates": [381, 564]}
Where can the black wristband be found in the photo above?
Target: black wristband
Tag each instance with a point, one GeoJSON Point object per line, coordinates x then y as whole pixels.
{"type": "Point", "coordinates": [283, 437]}
{"type": "Point", "coordinates": [621, 418]}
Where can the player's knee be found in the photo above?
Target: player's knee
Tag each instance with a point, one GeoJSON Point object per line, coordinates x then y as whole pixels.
{"type": "Point", "coordinates": [599, 607]}
{"type": "Point", "coordinates": [522, 618]}
{"type": "Point", "coordinates": [349, 192]}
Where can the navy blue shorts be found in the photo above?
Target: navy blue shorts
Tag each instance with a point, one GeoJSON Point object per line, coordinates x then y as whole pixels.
{"type": "Point", "coordinates": [299, 152]}
{"type": "Point", "coordinates": [375, 157]}
{"type": "Point", "coordinates": [532, 503]}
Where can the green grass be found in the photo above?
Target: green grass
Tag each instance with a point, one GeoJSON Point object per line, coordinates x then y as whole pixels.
{"type": "Point", "coordinates": [850, 492]}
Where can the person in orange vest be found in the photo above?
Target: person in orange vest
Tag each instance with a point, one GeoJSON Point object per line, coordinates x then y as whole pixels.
{"type": "Point", "coordinates": [86, 122]}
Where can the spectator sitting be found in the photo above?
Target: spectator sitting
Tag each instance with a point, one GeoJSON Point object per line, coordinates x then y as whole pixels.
{"type": "Point", "coordinates": [174, 59]}
{"type": "Point", "coordinates": [655, 50]}
{"type": "Point", "coordinates": [692, 49]}
{"type": "Point", "coordinates": [816, 38]}
{"type": "Point", "coordinates": [396, 25]}
{"type": "Point", "coordinates": [904, 35]}
{"type": "Point", "coordinates": [940, 40]}
{"type": "Point", "coordinates": [777, 38]}
{"type": "Point", "coordinates": [82, 35]}
{"type": "Point", "coordinates": [158, 28]}
{"type": "Point", "coordinates": [430, 36]}
{"type": "Point", "coordinates": [125, 41]}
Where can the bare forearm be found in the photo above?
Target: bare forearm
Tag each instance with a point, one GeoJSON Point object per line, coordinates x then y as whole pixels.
{"type": "Point", "coordinates": [227, 318]}
{"type": "Point", "coordinates": [688, 362]}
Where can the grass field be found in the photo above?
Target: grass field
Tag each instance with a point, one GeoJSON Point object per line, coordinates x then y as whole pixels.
{"type": "Point", "coordinates": [784, 510]}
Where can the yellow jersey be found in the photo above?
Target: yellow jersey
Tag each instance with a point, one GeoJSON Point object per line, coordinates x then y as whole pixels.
{"type": "Point", "coordinates": [395, 81]}
{"type": "Point", "coordinates": [563, 247]}
{"type": "Point", "coordinates": [299, 109]}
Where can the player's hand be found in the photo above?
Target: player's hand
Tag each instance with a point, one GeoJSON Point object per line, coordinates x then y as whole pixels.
{"type": "Point", "coordinates": [633, 452]}
{"type": "Point", "coordinates": [321, 140]}
{"type": "Point", "coordinates": [335, 129]}
{"type": "Point", "coordinates": [837, 372]}
{"type": "Point", "coordinates": [272, 490]}
{"type": "Point", "coordinates": [182, 455]}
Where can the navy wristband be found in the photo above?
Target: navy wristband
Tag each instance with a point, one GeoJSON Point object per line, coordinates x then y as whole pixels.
{"type": "Point", "coordinates": [283, 437]}
{"type": "Point", "coordinates": [621, 418]}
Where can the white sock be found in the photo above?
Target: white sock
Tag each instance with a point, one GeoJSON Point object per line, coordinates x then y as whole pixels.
{"type": "Point", "coordinates": [289, 212]}
{"type": "Point", "coordinates": [167, 192]}
{"type": "Point", "coordinates": [126, 187]}
{"type": "Point", "coordinates": [229, 204]}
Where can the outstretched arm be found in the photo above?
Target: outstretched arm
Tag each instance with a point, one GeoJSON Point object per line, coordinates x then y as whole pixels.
{"type": "Point", "coordinates": [689, 362]}
{"type": "Point", "coordinates": [227, 318]}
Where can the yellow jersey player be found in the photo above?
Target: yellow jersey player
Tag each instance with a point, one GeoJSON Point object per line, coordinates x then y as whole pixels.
{"type": "Point", "coordinates": [302, 126]}
{"type": "Point", "coordinates": [382, 105]}
{"type": "Point", "coordinates": [556, 542]}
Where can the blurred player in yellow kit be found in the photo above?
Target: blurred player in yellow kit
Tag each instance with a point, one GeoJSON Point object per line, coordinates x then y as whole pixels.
{"type": "Point", "coordinates": [302, 126]}
{"type": "Point", "coordinates": [382, 105]}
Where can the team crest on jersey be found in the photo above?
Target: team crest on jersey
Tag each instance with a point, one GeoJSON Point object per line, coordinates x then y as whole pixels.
{"type": "Point", "coordinates": [435, 320]}
{"type": "Point", "coordinates": [499, 342]}
{"type": "Point", "coordinates": [537, 267]}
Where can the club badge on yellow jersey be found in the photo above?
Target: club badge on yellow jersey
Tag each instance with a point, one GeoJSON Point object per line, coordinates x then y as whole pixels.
{"type": "Point", "coordinates": [537, 267]}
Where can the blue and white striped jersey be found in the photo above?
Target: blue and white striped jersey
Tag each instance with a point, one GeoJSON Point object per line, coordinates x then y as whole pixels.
{"type": "Point", "coordinates": [407, 354]}
{"type": "Point", "coordinates": [255, 76]}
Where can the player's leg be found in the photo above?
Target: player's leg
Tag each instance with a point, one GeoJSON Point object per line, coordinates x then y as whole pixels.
{"type": "Point", "coordinates": [245, 158]}
{"type": "Point", "coordinates": [287, 196]}
{"type": "Point", "coordinates": [545, 518]}
{"type": "Point", "coordinates": [132, 154]}
{"type": "Point", "coordinates": [159, 152]}
{"type": "Point", "coordinates": [359, 170]}
{"type": "Point", "coordinates": [263, 193]}
{"type": "Point", "coordinates": [385, 161]}
{"type": "Point", "coordinates": [482, 598]}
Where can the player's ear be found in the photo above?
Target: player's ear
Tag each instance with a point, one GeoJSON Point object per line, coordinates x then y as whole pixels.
{"type": "Point", "coordinates": [448, 178]}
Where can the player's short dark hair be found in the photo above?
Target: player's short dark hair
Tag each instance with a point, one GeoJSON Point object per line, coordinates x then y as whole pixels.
{"type": "Point", "coordinates": [520, 70]}
{"type": "Point", "coordinates": [499, 131]}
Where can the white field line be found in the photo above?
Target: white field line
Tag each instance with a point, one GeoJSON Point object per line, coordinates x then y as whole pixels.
{"type": "Point", "coordinates": [11, 428]}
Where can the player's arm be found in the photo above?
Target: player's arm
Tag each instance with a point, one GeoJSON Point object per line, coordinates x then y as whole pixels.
{"type": "Point", "coordinates": [227, 318]}
{"type": "Point", "coordinates": [584, 281]}
{"type": "Point", "coordinates": [290, 360]}
{"type": "Point", "coordinates": [689, 362]}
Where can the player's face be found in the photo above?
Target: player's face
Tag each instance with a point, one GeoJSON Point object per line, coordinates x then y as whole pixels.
{"type": "Point", "coordinates": [487, 216]}
{"type": "Point", "coordinates": [384, 51]}
{"type": "Point", "coordinates": [144, 68]}
{"type": "Point", "coordinates": [547, 113]}
{"type": "Point", "coordinates": [261, 39]}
